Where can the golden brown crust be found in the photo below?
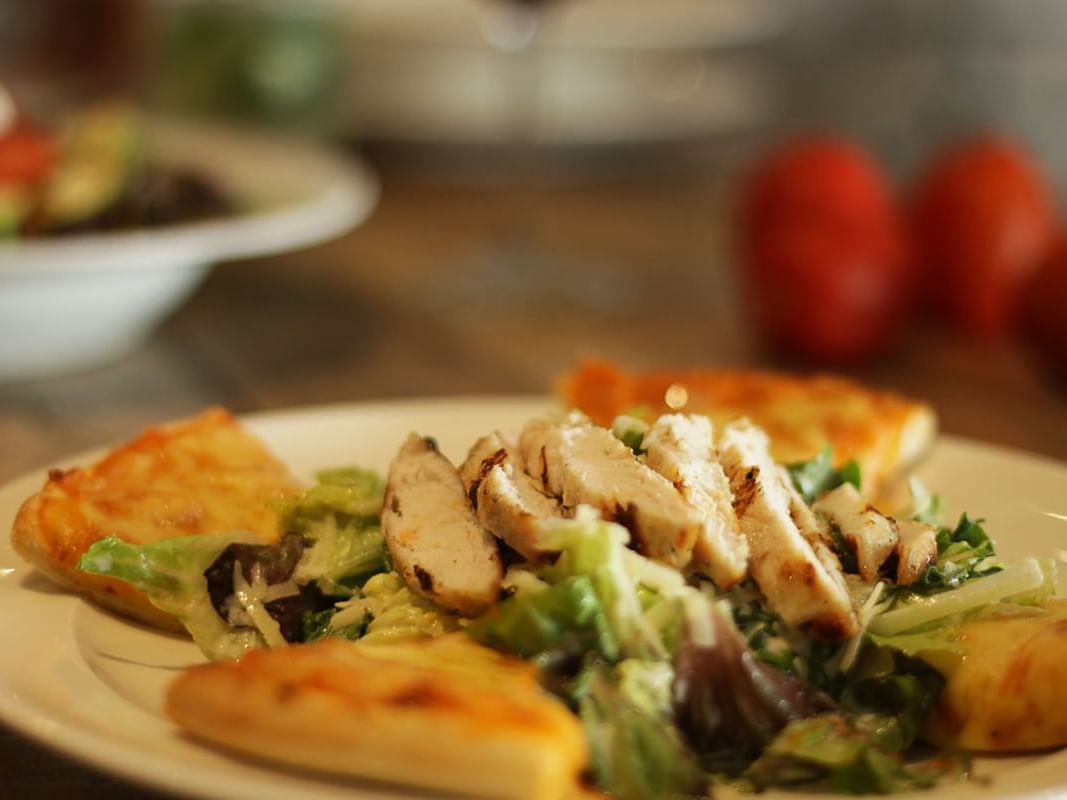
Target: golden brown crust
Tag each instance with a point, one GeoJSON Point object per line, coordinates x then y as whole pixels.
{"type": "Point", "coordinates": [444, 714]}
{"type": "Point", "coordinates": [1009, 691]}
{"type": "Point", "coordinates": [886, 432]}
{"type": "Point", "coordinates": [205, 474]}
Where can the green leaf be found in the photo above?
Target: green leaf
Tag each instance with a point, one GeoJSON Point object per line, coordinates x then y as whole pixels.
{"type": "Point", "coordinates": [900, 698]}
{"type": "Point", "coordinates": [840, 754]}
{"type": "Point", "coordinates": [567, 616]}
{"type": "Point", "coordinates": [171, 573]}
{"type": "Point", "coordinates": [818, 475]}
{"type": "Point", "coordinates": [317, 626]}
{"type": "Point", "coordinates": [636, 753]}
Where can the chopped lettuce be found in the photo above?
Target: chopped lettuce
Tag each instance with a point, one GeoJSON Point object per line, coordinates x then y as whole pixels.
{"type": "Point", "coordinates": [637, 751]}
{"type": "Point", "coordinates": [232, 592]}
{"type": "Point", "coordinates": [837, 753]}
{"type": "Point", "coordinates": [897, 687]}
{"type": "Point", "coordinates": [317, 626]}
{"type": "Point", "coordinates": [565, 618]}
{"type": "Point", "coordinates": [1029, 582]}
{"type": "Point", "coordinates": [387, 610]}
{"type": "Point", "coordinates": [728, 703]}
{"type": "Point", "coordinates": [171, 573]}
{"type": "Point", "coordinates": [340, 516]}
{"type": "Point", "coordinates": [598, 596]}
{"type": "Point", "coordinates": [859, 749]}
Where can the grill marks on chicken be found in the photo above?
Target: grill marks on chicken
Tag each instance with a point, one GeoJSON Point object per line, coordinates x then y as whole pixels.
{"type": "Point", "coordinates": [916, 550]}
{"type": "Point", "coordinates": [433, 536]}
{"type": "Point", "coordinates": [872, 536]}
{"type": "Point", "coordinates": [723, 513]}
{"type": "Point", "coordinates": [804, 587]}
{"type": "Point", "coordinates": [680, 447]}
{"type": "Point", "coordinates": [583, 464]}
{"type": "Point", "coordinates": [507, 501]}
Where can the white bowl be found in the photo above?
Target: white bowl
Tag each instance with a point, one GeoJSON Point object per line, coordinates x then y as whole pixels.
{"type": "Point", "coordinates": [72, 302]}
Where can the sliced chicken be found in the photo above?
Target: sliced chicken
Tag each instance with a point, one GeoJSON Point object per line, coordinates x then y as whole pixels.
{"type": "Point", "coordinates": [871, 535]}
{"type": "Point", "coordinates": [804, 590]}
{"type": "Point", "coordinates": [434, 539]}
{"type": "Point", "coordinates": [814, 533]}
{"type": "Point", "coordinates": [582, 463]}
{"type": "Point", "coordinates": [507, 501]}
{"type": "Point", "coordinates": [681, 449]}
{"type": "Point", "coordinates": [916, 550]}
{"type": "Point", "coordinates": [533, 441]}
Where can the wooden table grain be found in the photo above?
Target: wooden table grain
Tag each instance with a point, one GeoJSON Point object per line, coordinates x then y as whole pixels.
{"type": "Point", "coordinates": [471, 288]}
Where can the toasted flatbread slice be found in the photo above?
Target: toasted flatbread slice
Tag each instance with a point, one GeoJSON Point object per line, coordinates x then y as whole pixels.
{"type": "Point", "coordinates": [1008, 692]}
{"type": "Point", "coordinates": [444, 714]}
{"type": "Point", "coordinates": [206, 474]}
{"type": "Point", "coordinates": [888, 434]}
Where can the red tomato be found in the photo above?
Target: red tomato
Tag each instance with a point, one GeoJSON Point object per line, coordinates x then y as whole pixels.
{"type": "Point", "coordinates": [824, 252]}
{"type": "Point", "coordinates": [1042, 316]}
{"type": "Point", "coordinates": [983, 220]}
{"type": "Point", "coordinates": [25, 156]}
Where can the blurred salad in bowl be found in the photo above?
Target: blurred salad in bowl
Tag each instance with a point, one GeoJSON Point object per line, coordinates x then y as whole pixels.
{"type": "Point", "coordinates": [90, 172]}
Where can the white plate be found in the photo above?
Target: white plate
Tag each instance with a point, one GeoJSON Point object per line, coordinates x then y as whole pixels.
{"type": "Point", "coordinates": [90, 685]}
{"type": "Point", "coordinates": [54, 290]}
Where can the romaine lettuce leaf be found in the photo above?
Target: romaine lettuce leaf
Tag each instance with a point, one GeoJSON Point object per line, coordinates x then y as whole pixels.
{"type": "Point", "coordinates": [387, 610]}
{"type": "Point", "coordinates": [567, 618]}
{"type": "Point", "coordinates": [171, 573]}
{"type": "Point", "coordinates": [597, 596]}
{"type": "Point", "coordinates": [837, 753]}
{"type": "Point", "coordinates": [339, 516]}
{"type": "Point", "coordinates": [1030, 582]}
{"type": "Point", "coordinates": [637, 752]}
{"type": "Point", "coordinates": [232, 592]}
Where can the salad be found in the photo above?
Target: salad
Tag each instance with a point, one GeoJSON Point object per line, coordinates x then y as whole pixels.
{"type": "Point", "coordinates": [682, 677]}
{"type": "Point", "coordinates": [91, 172]}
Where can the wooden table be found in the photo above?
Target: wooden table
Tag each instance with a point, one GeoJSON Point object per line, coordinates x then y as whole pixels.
{"type": "Point", "coordinates": [471, 288]}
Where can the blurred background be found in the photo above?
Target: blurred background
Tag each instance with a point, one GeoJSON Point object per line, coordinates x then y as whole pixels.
{"type": "Point", "coordinates": [446, 197]}
{"type": "Point", "coordinates": [568, 178]}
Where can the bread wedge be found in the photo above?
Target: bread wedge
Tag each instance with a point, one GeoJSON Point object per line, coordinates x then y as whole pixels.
{"type": "Point", "coordinates": [887, 433]}
{"type": "Point", "coordinates": [443, 714]}
{"type": "Point", "coordinates": [206, 474]}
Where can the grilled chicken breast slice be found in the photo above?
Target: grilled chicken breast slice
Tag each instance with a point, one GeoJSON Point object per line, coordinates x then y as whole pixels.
{"type": "Point", "coordinates": [871, 535]}
{"type": "Point", "coordinates": [582, 463]}
{"type": "Point", "coordinates": [799, 586]}
{"type": "Point", "coordinates": [680, 447]}
{"type": "Point", "coordinates": [506, 500]}
{"type": "Point", "coordinates": [916, 550]}
{"type": "Point", "coordinates": [436, 543]}
{"type": "Point", "coordinates": [813, 531]}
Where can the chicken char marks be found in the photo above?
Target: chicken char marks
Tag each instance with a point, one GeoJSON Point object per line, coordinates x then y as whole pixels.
{"type": "Point", "coordinates": [680, 447]}
{"type": "Point", "coordinates": [723, 513]}
{"type": "Point", "coordinates": [791, 561]}
{"type": "Point", "coordinates": [507, 501]}
{"type": "Point", "coordinates": [581, 463]}
{"type": "Point", "coordinates": [433, 536]}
